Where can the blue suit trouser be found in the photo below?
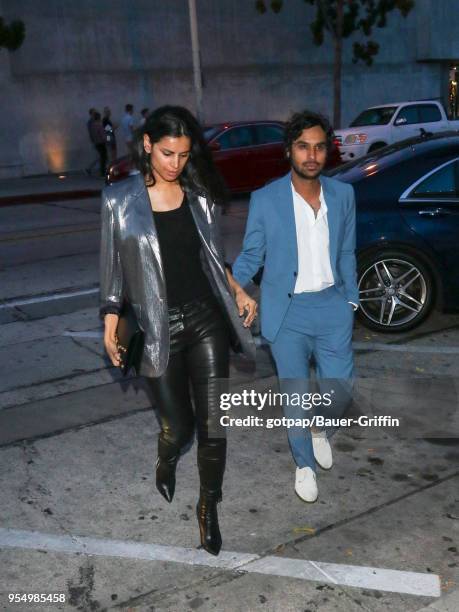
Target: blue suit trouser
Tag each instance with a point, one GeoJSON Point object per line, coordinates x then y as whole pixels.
{"type": "Point", "coordinates": [319, 324]}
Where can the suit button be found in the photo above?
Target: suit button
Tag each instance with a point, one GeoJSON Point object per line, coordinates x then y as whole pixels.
{"type": "Point", "coordinates": [289, 295]}
{"type": "Point", "coordinates": [295, 274]}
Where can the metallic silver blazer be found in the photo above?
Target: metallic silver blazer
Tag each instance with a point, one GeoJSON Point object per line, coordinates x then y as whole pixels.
{"type": "Point", "coordinates": [131, 268]}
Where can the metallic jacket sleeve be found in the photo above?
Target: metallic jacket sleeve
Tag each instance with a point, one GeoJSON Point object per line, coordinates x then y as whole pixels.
{"type": "Point", "coordinates": [111, 276]}
{"type": "Point", "coordinates": [217, 213]}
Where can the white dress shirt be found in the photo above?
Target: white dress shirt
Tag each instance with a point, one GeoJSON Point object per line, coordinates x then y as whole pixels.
{"type": "Point", "coordinates": [313, 240]}
{"type": "Point", "coordinates": [312, 236]}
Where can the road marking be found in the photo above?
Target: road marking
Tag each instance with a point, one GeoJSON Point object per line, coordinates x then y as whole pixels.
{"type": "Point", "coordinates": [396, 348]}
{"type": "Point", "coordinates": [395, 581]}
{"type": "Point", "coordinates": [48, 298]}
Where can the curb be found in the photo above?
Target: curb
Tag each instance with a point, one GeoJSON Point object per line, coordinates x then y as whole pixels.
{"type": "Point", "coordinates": [39, 198]}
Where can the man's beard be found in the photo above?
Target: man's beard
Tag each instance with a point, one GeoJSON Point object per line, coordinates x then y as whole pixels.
{"type": "Point", "coordinates": [308, 177]}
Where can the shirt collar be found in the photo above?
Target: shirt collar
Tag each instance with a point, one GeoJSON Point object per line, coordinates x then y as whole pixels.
{"type": "Point", "coordinates": [323, 205]}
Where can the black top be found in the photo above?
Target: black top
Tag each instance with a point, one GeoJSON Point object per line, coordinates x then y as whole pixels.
{"type": "Point", "coordinates": [180, 248]}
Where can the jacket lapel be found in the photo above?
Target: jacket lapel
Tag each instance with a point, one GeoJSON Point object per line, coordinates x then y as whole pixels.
{"type": "Point", "coordinates": [201, 214]}
{"type": "Point", "coordinates": [329, 194]}
{"type": "Point", "coordinates": [286, 199]}
{"type": "Point", "coordinates": [144, 216]}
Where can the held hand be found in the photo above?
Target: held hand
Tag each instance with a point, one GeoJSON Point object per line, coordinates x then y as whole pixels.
{"type": "Point", "coordinates": [246, 304]}
{"type": "Point", "coordinates": [111, 346]}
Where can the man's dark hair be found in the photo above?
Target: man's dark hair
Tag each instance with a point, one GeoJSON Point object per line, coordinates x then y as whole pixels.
{"type": "Point", "coordinates": [144, 111]}
{"type": "Point", "coordinates": [128, 108]}
{"type": "Point", "coordinates": [303, 121]}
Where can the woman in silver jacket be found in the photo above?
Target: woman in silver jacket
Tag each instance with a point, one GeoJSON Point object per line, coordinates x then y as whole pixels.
{"type": "Point", "coordinates": [161, 252]}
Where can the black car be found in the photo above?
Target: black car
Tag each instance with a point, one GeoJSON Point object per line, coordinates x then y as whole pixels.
{"type": "Point", "coordinates": [407, 198]}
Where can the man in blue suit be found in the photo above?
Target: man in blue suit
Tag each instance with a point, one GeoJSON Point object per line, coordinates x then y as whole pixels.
{"type": "Point", "coordinates": [301, 227]}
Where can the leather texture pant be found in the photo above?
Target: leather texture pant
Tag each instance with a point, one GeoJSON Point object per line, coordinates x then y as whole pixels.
{"type": "Point", "coordinates": [199, 355]}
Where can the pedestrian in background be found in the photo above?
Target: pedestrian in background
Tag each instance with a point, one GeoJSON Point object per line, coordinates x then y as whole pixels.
{"type": "Point", "coordinates": [144, 116]}
{"type": "Point", "coordinates": [90, 122]}
{"type": "Point", "coordinates": [98, 137]}
{"type": "Point", "coordinates": [127, 128]}
{"type": "Point", "coordinates": [161, 251]}
{"type": "Point", "coordinates": [110, 136]}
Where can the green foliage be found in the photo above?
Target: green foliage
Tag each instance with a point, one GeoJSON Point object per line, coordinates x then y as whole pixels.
{"type": "Point", "coordinates": [359, 16]}
{"type": "Point", "coordinates": [12, 35]}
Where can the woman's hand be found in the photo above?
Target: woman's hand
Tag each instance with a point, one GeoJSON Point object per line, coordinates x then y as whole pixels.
{"type": "Point", "coordinates": [110, 343]}
{"type": "Point", "coordinates": [246, 304]}
{"type": "Point", "coordinates": [243, 301]}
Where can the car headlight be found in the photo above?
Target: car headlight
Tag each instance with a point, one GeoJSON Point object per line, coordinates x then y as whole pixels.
{"type": "Point", "coordinates": [355, 139]}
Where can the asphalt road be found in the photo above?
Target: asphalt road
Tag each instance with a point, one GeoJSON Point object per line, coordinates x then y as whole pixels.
{"type": "Point", "coordinates": [80, 515]}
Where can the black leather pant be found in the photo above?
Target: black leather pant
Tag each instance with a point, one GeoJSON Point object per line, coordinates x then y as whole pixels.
{"type": "Point", "coordinates": [199, 354]}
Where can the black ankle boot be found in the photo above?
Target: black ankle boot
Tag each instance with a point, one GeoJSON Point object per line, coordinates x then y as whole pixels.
{"type": "Point", "coordinates": [166, 463]}
{"type": "Point", "coordinates": [211, 464]}
{"type": "Point", "coordinates": [206, 510]}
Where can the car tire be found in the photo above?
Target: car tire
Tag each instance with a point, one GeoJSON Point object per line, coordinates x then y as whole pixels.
{"type": "Point", "coordinates": [396, 290]}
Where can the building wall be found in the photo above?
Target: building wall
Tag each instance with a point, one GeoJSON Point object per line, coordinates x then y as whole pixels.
{"type": "Point", "coordinates": [110, 52]}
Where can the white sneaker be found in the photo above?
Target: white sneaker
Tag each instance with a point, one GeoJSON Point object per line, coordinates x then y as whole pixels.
{"type": "Point", "coordinates": [305, 484]}
{"type": "Point", "coordinates": [322, 449]}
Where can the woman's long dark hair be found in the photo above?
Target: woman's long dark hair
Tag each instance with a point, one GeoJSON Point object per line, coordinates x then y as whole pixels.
{"type": "Point", "coordinates": [199, 174]}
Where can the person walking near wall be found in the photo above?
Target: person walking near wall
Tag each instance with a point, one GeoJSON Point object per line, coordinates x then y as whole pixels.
{"type": "Point", "coordinates": [144, 116]}
{"type": "Point", "coordinates": [127, 128]}
{"type": "Point", "coordinates": [110, 136]}
{"type": "Point", "coordinates": [98, 137]}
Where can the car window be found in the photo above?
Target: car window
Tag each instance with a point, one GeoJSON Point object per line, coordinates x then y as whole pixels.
{"type": "Point", "coordinates": [235, 138]}
{"type": "Point", "coordinates": [443, 183]}
{"type": "Point", "coordinates": [374, 116]}
{"type": "Point", "coordinates": [267, 134]}
{"type": "Point", "coordinates": [407, 115]}
{"type": "Point", "coordinates": [210, 132]}
{"type": "Point", "coordinates": [429, 113]}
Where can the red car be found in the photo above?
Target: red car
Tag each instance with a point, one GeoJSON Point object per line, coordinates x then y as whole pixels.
{"type": "Point", "coordinates": [248, 154]}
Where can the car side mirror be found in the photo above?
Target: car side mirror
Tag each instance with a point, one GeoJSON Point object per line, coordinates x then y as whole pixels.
{"type": "Point", "coordinates": [215, 145]}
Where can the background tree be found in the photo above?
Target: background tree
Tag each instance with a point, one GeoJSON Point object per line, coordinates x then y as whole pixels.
{"type": "Point", "coordinates": [341, 19]}
{"type": "Point", "coordinates": [11, 36]}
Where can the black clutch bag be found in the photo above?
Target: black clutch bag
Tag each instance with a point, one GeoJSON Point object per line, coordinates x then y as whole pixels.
{"type": "Point", "coordinates": [130, 340]}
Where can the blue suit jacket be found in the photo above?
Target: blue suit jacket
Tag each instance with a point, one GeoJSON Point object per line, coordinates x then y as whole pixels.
{"type": "Point", "coordinates": [270, 240]}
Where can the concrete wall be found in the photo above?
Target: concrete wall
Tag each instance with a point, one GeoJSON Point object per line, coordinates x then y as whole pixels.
{"type": "Point", "coordinates": [109, 52]}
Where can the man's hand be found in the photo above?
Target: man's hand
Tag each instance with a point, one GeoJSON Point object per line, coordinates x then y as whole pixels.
{"type": "Point", "coordinates": [246, 305]}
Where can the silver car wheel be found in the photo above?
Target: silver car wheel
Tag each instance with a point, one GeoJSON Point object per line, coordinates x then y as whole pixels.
{"type": "Point", "coordinates": [392, 292]}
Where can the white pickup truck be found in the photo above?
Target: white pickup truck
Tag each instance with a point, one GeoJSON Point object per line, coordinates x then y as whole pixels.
{"type": "Point", "coordinates": [385, 124]}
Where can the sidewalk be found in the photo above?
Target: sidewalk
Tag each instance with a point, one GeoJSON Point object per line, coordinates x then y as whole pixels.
{"type": "Point", "coordinates": [49, 188]}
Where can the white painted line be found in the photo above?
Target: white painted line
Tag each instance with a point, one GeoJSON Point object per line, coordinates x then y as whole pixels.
{"type": "Point", "coordinates": [395, 581]}
{"type": "Point", "coordinates": [84, 334]}
{"type": "Point", "coordinates": [411, 583]}
{"type": "Point", "coordinates": [381, 346]}
{"type": "Point", "coordinates": [15, 538]}
{"type": "Point", "coordinates": [48, 298]}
